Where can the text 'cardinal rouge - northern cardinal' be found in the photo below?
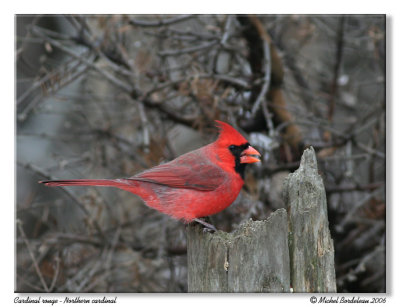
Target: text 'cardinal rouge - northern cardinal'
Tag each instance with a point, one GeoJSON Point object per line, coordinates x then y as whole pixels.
{"type": "Point", "coordinates": [197, 184]}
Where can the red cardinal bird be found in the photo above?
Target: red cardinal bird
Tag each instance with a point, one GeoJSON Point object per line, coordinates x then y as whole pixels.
{"type": "Point", "coordinates": [197, 184]}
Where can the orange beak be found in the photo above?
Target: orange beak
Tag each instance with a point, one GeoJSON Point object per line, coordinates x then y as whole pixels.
{"type": "Point", "coordinates": [250, 155]}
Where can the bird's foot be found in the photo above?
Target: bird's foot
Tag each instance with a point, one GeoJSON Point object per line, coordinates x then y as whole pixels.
{"type": "Point", "coordinates": [208, 230]}
{"type": "Point", "coordinates": [207, 226]}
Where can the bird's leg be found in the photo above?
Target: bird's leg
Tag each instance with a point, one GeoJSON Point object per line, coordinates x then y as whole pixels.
{"type": "Point", "coordinates": [207, 225]}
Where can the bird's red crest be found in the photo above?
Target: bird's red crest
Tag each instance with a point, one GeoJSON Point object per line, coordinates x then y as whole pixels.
{"type": "Point", "coordinates": [229, 135]}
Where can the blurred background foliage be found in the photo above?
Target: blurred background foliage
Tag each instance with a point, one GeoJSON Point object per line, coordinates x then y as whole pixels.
{"type": "Point", "coordinates": [109, 96]}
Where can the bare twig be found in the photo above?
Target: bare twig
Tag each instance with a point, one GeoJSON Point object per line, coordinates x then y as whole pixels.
{"type": "Point", "coordinates": [370, 150]}
{"type": "Point", "coordinates": [189, 49]}
{"type": "Point", "coordinates": [95, 268]}
{"type": "Point", "coordinates": [120, 84]}
{"type": "Point", "coordinates": [27, 37]}
{"type": "Point", "coordinates": [351, 188]}
{"type": "Point", "coordinates": [55, 277]}
{"type": "Point", "coordinates": [352, 212]}
{"type": "Point", "coordinates": [227, 29]}
{"type": "Point", "coordinates": [26, 282]}
{"type": "Point", "coordinates": [74, 238]}
{"type": "Point", "coordinates": [145, 126]}
{"type": "Point", "coordinates": [134, 93]}
{"type": "Point", "coordinates": [163, 22]}
{"type": "Point", "coordinates": [31, 254]}
{"type": "Point", "coordinates": [50, 83]}
{"type": "Point", "coordinates": [109, 258]}
{"type": "Point", "coordinates": [266, 79]}
{"type": "Point", "coordinates": [338, 61]}
{"type": "Point", "coordinates": [236, 82]}
{"type": "Point", "coordinates": [66, 191]}
{"type": "Point", "coordinates": [206, 36]}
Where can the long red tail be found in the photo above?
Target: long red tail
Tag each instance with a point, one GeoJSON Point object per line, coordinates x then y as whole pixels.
{"type": "Point", "coordinates": [86, 182]}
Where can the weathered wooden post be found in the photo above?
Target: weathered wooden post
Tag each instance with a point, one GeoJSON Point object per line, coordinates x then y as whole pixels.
{"type": "Point", "coordinates": [310, 243]}
{"type": "Point", "coordinates": [254, 258]}
{"type": "Point", "coordinates": [268, 256]}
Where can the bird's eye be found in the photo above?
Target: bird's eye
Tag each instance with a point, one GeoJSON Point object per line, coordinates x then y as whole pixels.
{"type": "Point", "coordinates": [232, 147]}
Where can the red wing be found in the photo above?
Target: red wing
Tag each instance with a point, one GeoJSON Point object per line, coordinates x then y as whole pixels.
{"type": "Point", "coordinates": [190, 171]}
